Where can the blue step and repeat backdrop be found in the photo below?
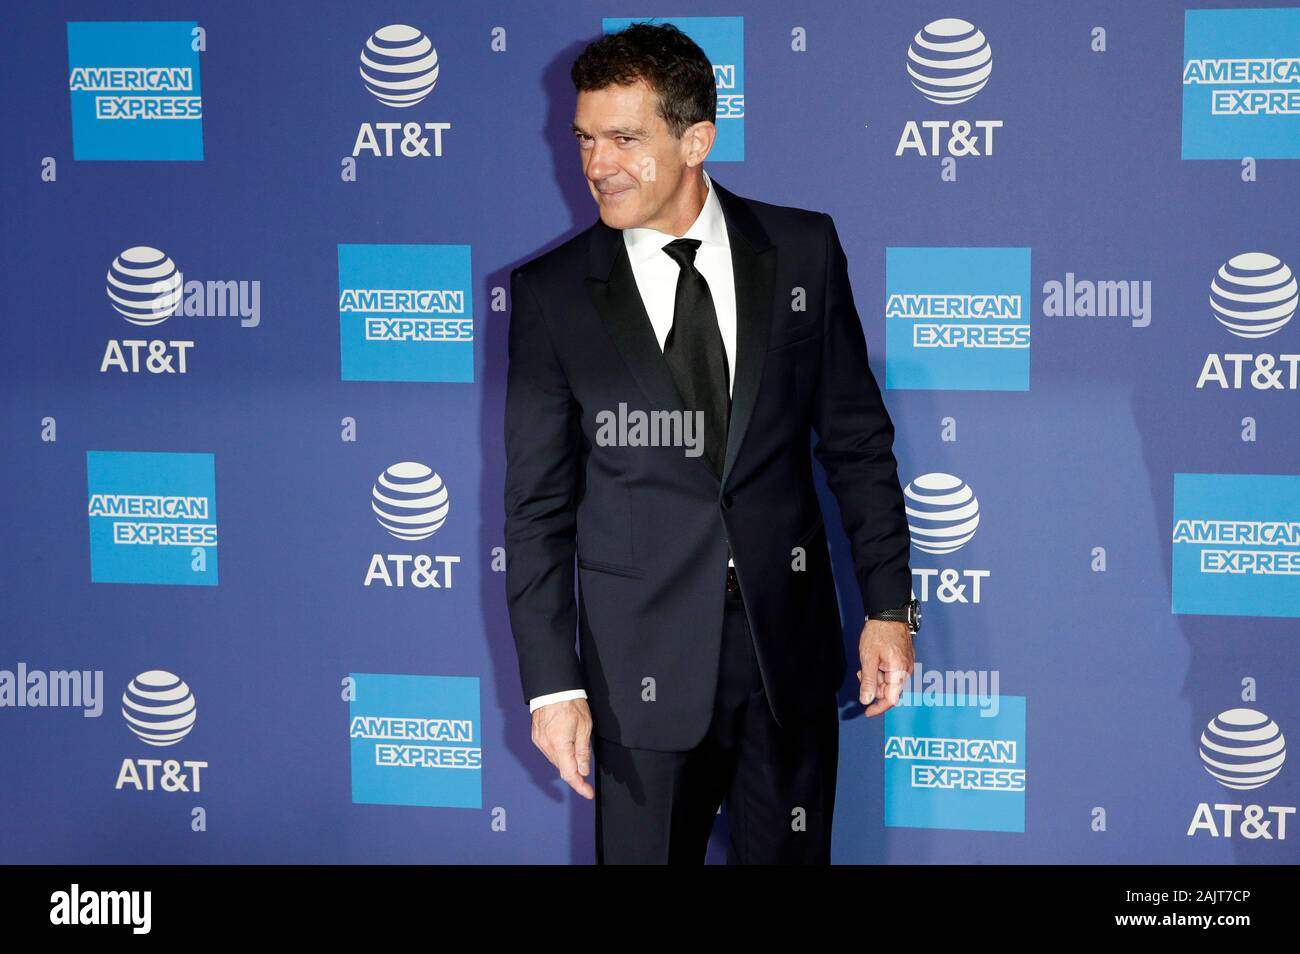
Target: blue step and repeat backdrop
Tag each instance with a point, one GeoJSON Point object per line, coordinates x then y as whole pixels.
{"type": "Point", "coordinates": [257, 259]}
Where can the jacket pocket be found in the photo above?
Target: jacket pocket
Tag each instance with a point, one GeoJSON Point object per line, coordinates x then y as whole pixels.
{"type": "Point", "coordinates": [612, 568]}
{"type": "Point", "coordinates": [791, 342]}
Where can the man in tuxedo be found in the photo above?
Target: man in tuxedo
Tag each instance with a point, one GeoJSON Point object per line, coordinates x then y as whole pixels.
{"type": "Point", "coordinates": [709, 635]}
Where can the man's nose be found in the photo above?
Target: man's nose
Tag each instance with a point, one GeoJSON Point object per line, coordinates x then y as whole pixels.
{"type": "Point", "coordinates": [601, 163]}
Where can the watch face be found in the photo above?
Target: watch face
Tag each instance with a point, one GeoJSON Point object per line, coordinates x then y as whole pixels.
{"type": "Point", "coordinates": [916, 614]}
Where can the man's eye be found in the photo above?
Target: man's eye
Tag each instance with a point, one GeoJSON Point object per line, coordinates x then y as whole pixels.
{"type": "Point", "coordinates": [584, 139]}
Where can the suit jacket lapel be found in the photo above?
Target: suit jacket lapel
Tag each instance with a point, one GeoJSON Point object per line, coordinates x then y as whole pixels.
{"type": "Point", "coordinates": [614, 292]}
{"type": "Point", "coordinates": [753, 263]}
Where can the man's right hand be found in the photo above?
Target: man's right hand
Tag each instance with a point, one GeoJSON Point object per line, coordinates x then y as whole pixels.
{"type": "Point", "coordinates": [562, 730]}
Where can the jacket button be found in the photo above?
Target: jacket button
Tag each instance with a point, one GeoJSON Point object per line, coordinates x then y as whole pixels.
{"type": "Point", "coordinates": [726, 501]}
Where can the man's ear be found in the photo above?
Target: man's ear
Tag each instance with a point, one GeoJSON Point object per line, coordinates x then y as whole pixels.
{"type": "Point", "coordinates": [701, 137]}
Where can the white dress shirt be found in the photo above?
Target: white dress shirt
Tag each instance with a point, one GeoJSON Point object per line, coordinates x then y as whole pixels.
{"type": "Point", "coordinates": [656, 277]}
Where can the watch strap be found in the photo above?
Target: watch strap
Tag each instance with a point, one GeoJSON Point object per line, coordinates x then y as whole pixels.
{"type": "Point", "coordinates": [893, 615]}
{"type": "Point", "coordinates": [900, 614]}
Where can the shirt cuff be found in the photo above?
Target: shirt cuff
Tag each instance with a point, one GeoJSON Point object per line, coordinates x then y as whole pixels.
{"type": "Point", "coordinates": [538, 701]}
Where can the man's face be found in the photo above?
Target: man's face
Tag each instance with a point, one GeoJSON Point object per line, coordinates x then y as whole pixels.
{"type": "Point", "coordinates": [635, 169]}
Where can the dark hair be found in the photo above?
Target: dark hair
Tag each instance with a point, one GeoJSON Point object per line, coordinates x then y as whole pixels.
{"type": "Point", "coordinates": [669, 61]}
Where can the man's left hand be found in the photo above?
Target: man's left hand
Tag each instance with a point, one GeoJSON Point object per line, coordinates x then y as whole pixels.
{"type": "Point", "coordinates": [886, 653]}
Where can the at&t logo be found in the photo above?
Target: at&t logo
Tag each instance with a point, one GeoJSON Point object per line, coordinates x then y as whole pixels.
{"type": "Point", "coordinates": [411, 502]}
{"type": "Point", "coordinates": [1253, 296]}
{"type": "Point", "coordinates": [949, 61]}
{"type": "Point", "coordinates": [399, 66]}
{"type": "Point", "coordinates": [144, 287]}
{"type": "Point", "coordinates": [942, 515]}
{"type": "Point", "coordinates": [159, 709]}
{"type": "Point", "coordinates": [1242, 749]}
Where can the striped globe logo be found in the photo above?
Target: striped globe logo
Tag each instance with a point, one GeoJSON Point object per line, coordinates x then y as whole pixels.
{"type": "Point", "coordinates": [144, 286]}
{"type": "Point", "coordinates": [410, 501]}
{"type": "Point", "coordinates": [942, 512]}
{"type": "Point", "coordinates": [399, 65]}
{"type": "Point", "coordinates": [949, 61]}
{"type": "Point", "coordinates": [159, 707]}
{"type": "Point", "coordinates": [1253, 295]}
{"type": "Point", "coordinates": [1242, 749]}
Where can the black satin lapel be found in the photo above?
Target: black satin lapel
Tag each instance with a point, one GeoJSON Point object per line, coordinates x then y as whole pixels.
{"type": "Point", "coordinates": [619, 302]}
{"type": "Point", "coordinates": [755, 273]}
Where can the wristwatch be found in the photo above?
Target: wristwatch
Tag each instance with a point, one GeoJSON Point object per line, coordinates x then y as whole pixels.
{"type": "Point", "coordinates": [909, 613]}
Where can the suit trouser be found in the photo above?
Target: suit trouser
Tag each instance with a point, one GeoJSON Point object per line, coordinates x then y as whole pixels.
{"type": "Point", "coordinates": [778, 782]}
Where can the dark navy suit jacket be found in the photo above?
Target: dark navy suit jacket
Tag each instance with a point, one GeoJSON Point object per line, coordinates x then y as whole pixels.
{"type": "Point", "coordinates": [648, 530]}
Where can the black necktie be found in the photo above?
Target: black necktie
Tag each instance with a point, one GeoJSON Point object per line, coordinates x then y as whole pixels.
{"type": "Point", "coordinates": [695, 353]}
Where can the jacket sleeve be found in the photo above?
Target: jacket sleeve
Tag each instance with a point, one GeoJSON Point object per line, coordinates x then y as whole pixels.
{"type": "Point", "coordinates": [855, 445]}
{"type": "Point", "coordinates": [543, 442]}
